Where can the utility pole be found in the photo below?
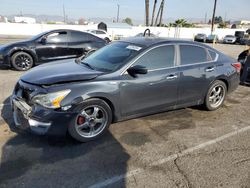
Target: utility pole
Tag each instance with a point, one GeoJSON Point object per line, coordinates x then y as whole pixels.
{"type": "Point", "coordinates": [153, 14]}
{"type": "Point", "coordinates": [64, 16]}
{"type": "Point", "coordinates": [162, 7]}
{"type": "Point", "coordinates": [205, 18]}
{"type": "Point", "coordinates": [225, 18]}
{"type": "Point", "coordinates": [212, 27]}
{"type": "Point", "coordinates": [118, 13]}
{"type": "Point", "coordinates": [147, 12]}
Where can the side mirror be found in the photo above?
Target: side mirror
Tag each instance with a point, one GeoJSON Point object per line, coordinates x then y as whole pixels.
{"type": "Point", "coordinates": [137, 69]}
{"type": "Point", "coordinates": [43, 40]}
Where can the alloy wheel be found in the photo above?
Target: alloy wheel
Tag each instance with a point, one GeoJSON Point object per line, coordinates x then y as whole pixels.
{"type": "Point", "coordinates": [23, 61]}
{"type": "Point", "coordinates": [91, 121]}
{"type": "Point", "coordinates": [216, 96]}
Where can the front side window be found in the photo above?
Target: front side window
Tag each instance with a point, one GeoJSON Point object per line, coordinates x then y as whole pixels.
{"type": "Point", "coordinates": [158, 58]}
{"type": "Point", "coordinates": [57, 37]}
{"type": "Point", "coordinates": [193, 54]}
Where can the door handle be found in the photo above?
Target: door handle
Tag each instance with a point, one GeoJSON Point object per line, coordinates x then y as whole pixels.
{"type": "Point", "coordinates": [209, 69]}
{"type": "Point", "coordinates": [171, 77]}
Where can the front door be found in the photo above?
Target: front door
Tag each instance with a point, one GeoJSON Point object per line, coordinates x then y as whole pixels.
{"type": "Point", "coordinates": [155, 90]}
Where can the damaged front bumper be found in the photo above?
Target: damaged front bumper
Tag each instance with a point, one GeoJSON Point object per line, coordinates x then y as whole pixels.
{"type": "Point", "coordinates": [40, 120]}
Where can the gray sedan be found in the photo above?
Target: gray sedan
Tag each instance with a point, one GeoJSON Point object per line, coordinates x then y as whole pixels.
{"type": "Point", "coordinates": [126, 79]}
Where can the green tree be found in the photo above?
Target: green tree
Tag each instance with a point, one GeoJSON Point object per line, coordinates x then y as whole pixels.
{"type": "Point", "coordinates": [181, 23]}
{"type": "Point", "coordinates": [128, 21]}
{"type": "Point", "coordinates": [218, 20]}
{"type": "Point", "coordinates": [222, 25]}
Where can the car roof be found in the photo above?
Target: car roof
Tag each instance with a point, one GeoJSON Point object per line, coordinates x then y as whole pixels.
{"type": "Point", "coordinates": [151, 41]}
{"type": "Point", "coordinates": [60, 30]}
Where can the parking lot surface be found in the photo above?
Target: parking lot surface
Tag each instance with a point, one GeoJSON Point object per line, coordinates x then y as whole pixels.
{"type": "Point", "coordinates": [183, 148]}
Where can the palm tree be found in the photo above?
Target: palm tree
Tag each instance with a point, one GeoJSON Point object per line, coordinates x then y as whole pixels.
{"type": "Point", "coordinates": [158, 13]}
{"type": "Point", "coordinates": [153, 14]}
{"type": "Point", "coordinates": [147, 11]}
{"type": "Point", "coordinates": [162, 8]}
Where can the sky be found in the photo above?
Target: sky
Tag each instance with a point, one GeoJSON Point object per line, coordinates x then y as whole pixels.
{"type": "Point", "coordinates": [174, 9]}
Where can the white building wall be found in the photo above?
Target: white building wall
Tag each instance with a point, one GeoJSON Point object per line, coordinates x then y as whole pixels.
{"type": "Point", "coordinates": [11, 29]}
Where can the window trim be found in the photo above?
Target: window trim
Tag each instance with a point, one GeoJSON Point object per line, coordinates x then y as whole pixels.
{"type": "Point", "coordinates": [148, 50]}
{"type": "Point", "coordinates": [198, 63]}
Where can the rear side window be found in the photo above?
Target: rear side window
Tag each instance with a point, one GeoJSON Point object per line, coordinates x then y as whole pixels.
{"type": "Point", "coordinates": [83, 37]}
{"type": "Point", "coordinates": [193, 54]}
{"type": "Point", "coordinates": [160, 57]}
{"type": "Point", "coordinates": [213, 55]}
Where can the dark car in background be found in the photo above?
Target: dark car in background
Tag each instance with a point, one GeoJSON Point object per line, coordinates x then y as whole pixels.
{"type": "Point", "coordinates": [48, 46]}
{"type": "Point", "coordinates": [212, 38]}
{"type": "Point", "coordinates": [200, 37]}
{"type": "Point", "coordinates": [126, 79]}
{"type": "Point", "coordinates": [239, 36]}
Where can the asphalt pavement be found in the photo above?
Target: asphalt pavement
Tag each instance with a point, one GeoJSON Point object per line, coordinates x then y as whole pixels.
{"type": "Point", "coordinates": [188, 147]}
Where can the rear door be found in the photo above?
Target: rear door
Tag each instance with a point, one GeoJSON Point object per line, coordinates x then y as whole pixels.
{"type": "Point", "coordinates": [155, 90]}
{"type": "Point", "coordinates": [81, 42]}
{"type": "Point", "coordinates": [197, 70]}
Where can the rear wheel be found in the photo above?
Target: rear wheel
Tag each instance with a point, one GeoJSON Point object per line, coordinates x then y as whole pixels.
{"type": "Point", "coordinates": [215, 95]}
{"type": "Point", "coordinates": [92, 122]}
{"type": "Point", "coordinates": [21, 61]}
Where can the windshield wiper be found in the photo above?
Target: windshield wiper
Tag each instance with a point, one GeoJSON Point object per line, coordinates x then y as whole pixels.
{"type": "Point", "coordinates": [88, 65]}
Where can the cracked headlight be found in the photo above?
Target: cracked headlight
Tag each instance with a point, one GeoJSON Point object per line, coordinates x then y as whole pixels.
{"type": "Point", "coordinates": [51, 100]}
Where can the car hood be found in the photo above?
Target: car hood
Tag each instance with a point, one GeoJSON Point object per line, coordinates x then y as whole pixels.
{"type": "Point", "coordinates": [16, 44]}
{"type": "Point", "coordinates": [230, 38]}
{"type": "Point", "coordinates": [59, 72]}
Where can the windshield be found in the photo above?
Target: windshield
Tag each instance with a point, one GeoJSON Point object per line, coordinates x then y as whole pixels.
{"type": "Point", "coordinates": [112, 57]}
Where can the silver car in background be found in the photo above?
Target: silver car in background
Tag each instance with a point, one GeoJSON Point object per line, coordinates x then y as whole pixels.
{"type": "Point", "coordinates": [229, 39]}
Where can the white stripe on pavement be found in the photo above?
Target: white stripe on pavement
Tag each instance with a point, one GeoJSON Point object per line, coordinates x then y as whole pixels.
{"type": "Point", "coordinates": [137, 171]}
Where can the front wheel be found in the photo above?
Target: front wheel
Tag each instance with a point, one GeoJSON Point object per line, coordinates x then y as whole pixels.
{"type": "Point", "coordinates": [215, 95]}
{"type": "Point", "coordinates": [93, 120]}
{"type": "Point", "coordinates": [21, 61]}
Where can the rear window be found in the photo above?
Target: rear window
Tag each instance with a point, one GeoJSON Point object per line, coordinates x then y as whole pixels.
{"type": "Point", "coordinates": [193, 54]}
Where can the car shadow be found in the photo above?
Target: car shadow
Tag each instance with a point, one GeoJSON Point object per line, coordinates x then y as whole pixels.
{"type": "Point", "coordinates": [3, 67]}
{"type": "Point", "coordinates": [29, 160]}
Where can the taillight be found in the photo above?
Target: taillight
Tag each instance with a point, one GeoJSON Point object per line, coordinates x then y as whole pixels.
{"type": "Point", "coordinates": [237, 66]}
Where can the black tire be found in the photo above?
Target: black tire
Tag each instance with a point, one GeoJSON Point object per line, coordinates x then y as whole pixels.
{"type": "Point", "coordinates": [215, 99]}
{"type": "Point", "coordinates": [21, 61]}
{"type": "Point", "coordinates": [81, 135]}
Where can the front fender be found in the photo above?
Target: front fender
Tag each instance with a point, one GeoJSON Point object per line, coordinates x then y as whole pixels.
{"type": "Point", "coordinates": [26, 49]}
